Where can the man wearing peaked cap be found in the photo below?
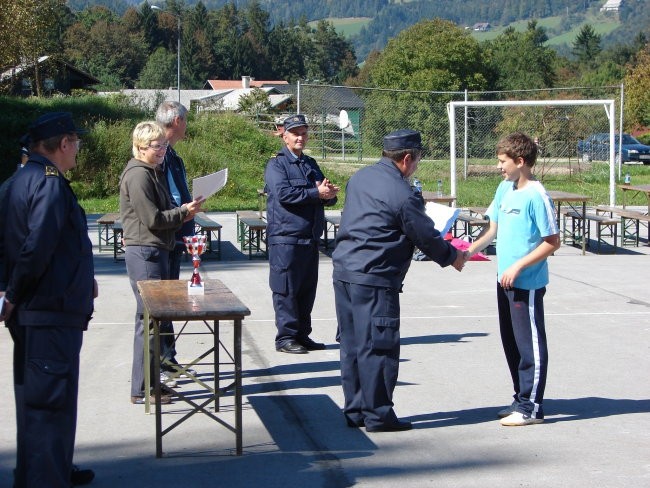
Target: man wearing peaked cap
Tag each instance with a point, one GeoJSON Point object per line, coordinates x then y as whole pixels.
{"type": "Point", "coordinates": [47, 280]}
{"type": "Point", "coordinates": [382, 222]}
{"type": "Point", "coordinates": [53, 124]}
{"type": "Point", "coordinates": [403, 139]}
{"type": "Point", "coordinates": [295, 121]}
{"type": "Point", "coordinates": [296, 192]}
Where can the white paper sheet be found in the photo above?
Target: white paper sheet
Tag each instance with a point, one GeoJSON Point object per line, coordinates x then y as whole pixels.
{"type": "Point", "coordinates": [443, 216]}
{"type": "Point", "coordinates": [208, 185]}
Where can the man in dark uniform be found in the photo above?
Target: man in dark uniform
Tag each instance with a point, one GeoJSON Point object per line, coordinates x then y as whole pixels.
{"type": "Point", "coordinates": [383, 220]}
{"type": "Point", "coordinates": [47, 276]}
{"type": "Point", "coordinates": [297, 192]}
{"type": "Point", "coordinates": [173, 117]}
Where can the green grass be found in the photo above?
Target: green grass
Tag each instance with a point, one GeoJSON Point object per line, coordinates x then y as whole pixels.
{"type": "Point", "coordinates": [603, 27]}
{"type": "Point", "coordinates": [476, 191]}
{"type": "Point", "coordinates": [347, 26]}
{"type": "Point", "coordinates": [602, 24]}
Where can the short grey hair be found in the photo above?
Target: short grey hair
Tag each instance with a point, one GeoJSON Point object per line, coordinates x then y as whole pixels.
{"type": "Point", "coordinates": [168, 111]}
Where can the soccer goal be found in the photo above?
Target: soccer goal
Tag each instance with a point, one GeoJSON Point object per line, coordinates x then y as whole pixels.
{"type": "Point", "coordinates": [572, 135]}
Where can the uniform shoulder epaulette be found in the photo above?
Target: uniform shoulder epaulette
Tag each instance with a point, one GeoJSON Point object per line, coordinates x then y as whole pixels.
{"type": "Point", "coordinates": [51, 171]}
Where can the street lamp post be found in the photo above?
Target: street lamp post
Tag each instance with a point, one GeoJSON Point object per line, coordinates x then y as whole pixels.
{"type": "Point", "coordinates": [178, 50]}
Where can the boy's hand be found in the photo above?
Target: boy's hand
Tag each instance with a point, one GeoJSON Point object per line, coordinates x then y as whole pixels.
{"type": "Point", "coordinates": [509, 276]}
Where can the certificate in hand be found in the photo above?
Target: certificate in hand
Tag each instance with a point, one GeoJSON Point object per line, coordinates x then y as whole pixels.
{"type": "Point", "coordinates": [443, 216]}
{"type": "Point", "coordinates": [206, 186]}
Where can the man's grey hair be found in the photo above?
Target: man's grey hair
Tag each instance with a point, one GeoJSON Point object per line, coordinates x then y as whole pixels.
{"type": "Point", "coordinates": [168, 111]}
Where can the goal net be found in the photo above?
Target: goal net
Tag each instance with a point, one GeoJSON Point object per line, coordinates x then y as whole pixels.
{"type": "Point", "coordinates": [572, 135]}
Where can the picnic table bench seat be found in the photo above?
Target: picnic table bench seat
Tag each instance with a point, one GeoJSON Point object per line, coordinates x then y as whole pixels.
{"type": "Point", "coordinates": [332, 223]}
{"type": "Point", "coordinates": [208, 227]}
{"type": "Point", "coordinates": [605, 227]}
{"type": "Point", "coordinates": [251, 232]}
{"type": "Point", "coordinates": [630, 222]}
{"type": "Point", "coordinates": [470, 223]}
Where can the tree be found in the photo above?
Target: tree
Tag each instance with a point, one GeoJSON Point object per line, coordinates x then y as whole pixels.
{"type": "Point", "coordinates": [432, 56]}
{"type": "Point", "coordinates": [637, 91]}
{"type": "Point", "coordinates": [160, 70]}
{"type": "Point", "coordinates": [107, 48]}
{"type": "Point", "coordinates": [586, 46]}
{"type": "Point", "coordinates": [255, 103]}
{"type": "Point", "coordinates": [332, 59]}
{"type": "Point", "coordinates": [520, 60]}
{"type": "Point", "coordinates": [29, 30]}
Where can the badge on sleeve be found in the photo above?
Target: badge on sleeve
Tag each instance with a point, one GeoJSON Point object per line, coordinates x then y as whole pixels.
{"type": "Point", "coordinates": [51, 171]}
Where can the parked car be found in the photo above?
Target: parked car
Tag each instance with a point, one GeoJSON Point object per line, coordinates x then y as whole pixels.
{"type": "Point", "coordinates": [596, 147]}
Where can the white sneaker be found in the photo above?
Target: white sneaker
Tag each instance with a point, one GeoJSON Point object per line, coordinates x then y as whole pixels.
{"type": "Point", "coordinates": [517, 419]}
{"type": "Point", "coordinates": [167, 380]}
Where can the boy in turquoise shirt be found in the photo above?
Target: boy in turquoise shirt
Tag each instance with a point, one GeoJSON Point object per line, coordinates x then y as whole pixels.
{"type": "Point", "coordinates": [522, 218]}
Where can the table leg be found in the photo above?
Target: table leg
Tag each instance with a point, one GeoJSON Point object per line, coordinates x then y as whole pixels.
{"type": "Point", "coordinates": [584, 227]}
{"type": "Point", "coordinates": [147, 364]}
{"type": "Point", "coordinates": [238, 386]}
{"type": "Point", "coordinates": [217, 367]}
{"type": "Point", "coordinates": [156, 382]}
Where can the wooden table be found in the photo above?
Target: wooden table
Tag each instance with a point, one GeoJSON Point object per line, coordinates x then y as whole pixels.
{"type": "Point", "coordinates": [560, 197]}
{"type": "Point", "coordinates": [168, 300]}
{"type": "Point", "coordinates": [637, 189]}
{"type": "Point", "coordinates": [434, 196]}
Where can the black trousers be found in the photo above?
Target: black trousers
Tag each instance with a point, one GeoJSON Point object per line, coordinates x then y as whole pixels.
{"type": "Point", "coordinates": [46, 385]}
{"type": "Point", "coordinates": [368, 324]}
{"type": "Point", "coordinates": [293, 278]}
{"type": "Point", "coordinates": [523, 335]}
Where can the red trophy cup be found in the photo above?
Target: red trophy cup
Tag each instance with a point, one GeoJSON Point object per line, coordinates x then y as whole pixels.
{"type": "Point", "coordinates": [195, 246]}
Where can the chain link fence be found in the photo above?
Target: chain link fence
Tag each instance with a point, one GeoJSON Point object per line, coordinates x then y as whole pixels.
{"type": "Point", "coordinates": [347, 125]}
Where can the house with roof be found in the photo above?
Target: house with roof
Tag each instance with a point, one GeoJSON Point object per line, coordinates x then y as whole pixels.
{"type": "Point", "coordinates": [56, 75]}
{"type": "Point", "coordinates": [482, 27]}
{"type": "Point", "coordinates": [245, 82]}
{"type": "Point", "coordinates": [611, 6]}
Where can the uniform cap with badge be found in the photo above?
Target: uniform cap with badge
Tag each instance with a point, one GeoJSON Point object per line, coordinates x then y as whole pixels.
{"type": "Point", "coordinates": [53, 124]}
{"type": "Point", "coordinates": [295, 121]}
{"type": "Point", "coordinates": [403, 139]}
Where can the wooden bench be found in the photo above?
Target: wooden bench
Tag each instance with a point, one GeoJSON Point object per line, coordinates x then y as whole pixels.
{"type": "Point", "coordinates": [605, 227]}
{"type": "Point", "coordinates": [332, 223]}
{"type": "Point", "coordinates": [470, 223]}
{"type": "Point", "coordinates": [241, 228]}
{"type": "Point", "coordinates": [204, 225]}
{"type": "Point", "coordinates": [630, 223]}
{"type": "Point", "coordinates": [105, 230]}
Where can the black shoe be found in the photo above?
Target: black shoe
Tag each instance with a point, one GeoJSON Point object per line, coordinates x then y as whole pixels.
{"type": "Point", "coordinates": [311, 345]}
{"type": "Point", "coordinates": [397, 427]}
{"type": "Point", "coordinates": [292, 347]}
{"type": "Point", "coordinates": [354, 424]}
{"type": "Point", "coordinates": [80, 477]}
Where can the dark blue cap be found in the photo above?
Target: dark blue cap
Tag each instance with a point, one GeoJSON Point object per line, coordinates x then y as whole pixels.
{"type": "Point", "coordinates": [53, 124]}
{"type": "Point", "coordinates": [402, 139]}
{"type": "Point", "coordinates": [295, 121]}
{"type": "Point", "coordinates": [24, 144]}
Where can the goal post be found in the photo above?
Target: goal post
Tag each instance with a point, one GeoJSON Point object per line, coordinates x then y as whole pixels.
{"type": "Point", "coordinates": [608, 106]}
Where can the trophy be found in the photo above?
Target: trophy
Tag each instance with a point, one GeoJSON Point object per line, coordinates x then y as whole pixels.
{"type": "Point", "coordinates": [195, 246]}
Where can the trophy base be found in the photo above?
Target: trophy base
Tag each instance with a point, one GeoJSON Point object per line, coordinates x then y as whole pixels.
{"type": "Point", "coordinates": [195, 289]}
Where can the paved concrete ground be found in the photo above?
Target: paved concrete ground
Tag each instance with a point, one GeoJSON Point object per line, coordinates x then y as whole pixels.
{"type": "Point", "coordinates": [453, 378]}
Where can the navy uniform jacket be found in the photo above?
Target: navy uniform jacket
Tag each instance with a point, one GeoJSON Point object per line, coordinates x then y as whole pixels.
{"type": "Point", "coordinates": [47, 261]}
{"type": "Point", "coordinates": [382, 222]}
{"type": "Point", "coordinates": [294, 209]}
{"type": "Point", "coordinates": [176, 176]}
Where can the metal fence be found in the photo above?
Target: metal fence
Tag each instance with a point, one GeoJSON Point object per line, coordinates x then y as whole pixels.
{"type": "Point", "coordinates": [347, 124]}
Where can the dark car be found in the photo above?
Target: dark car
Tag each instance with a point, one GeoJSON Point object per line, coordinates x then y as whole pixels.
{"type": "Point", "coordinates": [596, 147]}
